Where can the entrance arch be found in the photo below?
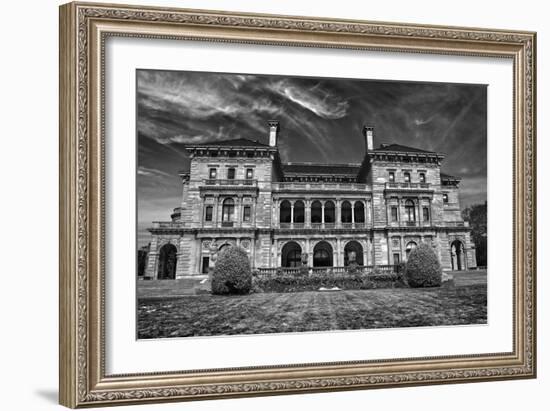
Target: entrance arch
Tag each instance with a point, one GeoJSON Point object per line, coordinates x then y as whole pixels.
{"type": "Point", "coordinates": [355, 247]}
{"type": "Point", "coordinates": [322, 254]}
{"type": "Point", "coordinates": [291, 255]}
{"type": "Point", "coordinates": [411, 245]}
{"type": "Point", "coordinates": [457, 256]}
{"type": "Point", "coordinates": [168, 257]}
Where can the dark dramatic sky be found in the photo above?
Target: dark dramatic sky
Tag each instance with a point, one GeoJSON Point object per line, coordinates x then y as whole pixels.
{"type": "Point", "coordinates": [321, 121]}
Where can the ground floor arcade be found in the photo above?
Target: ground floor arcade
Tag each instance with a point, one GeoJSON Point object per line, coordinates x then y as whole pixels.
{"type": "Point", "coordinates": [178, 255]}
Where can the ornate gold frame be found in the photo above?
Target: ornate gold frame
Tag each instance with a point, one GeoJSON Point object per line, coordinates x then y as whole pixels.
{"type": "Point", "coordinates": [83, 30]}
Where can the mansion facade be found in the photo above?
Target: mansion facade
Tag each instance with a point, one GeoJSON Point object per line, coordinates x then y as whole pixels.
{"type": "Point", "coordinates": [240, 192]}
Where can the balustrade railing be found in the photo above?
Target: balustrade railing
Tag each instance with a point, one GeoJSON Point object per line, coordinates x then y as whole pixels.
{"type": "Point", "coordinates": [230, 182]}
{"type": "Point", "coordinates": [319, 186]}
{"type": "Point", "coordinates": [424, 186]}
{"type": "Point", "coordinates": [167, 224]}
{"type": "Point", "coordinates": [335, 271]}
{"type": "Point", "coordinates": [321, 225]}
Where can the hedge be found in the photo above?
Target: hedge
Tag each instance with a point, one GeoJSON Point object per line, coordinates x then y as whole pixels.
{"type": "Point", "coordinates": [423, 268]}
{"type": "Point", "coordinates": [284, 283]}
{"type": "Point", "coordinates": [232, 274]}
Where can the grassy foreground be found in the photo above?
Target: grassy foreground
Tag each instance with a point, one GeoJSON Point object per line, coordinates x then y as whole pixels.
{"type": "Point", "coordinates": [204, 315]}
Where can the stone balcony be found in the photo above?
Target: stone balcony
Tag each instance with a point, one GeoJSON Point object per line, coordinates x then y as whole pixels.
{"type": "Point", "coordinates": [320, 186]}
{"type": "Point", "coordinates": [408, 186]}
{"type": "Point", "coordinates": [321, 226]}
{"type": "Point", "coordinates": [168, 224]}
{"type": "Point", "coordinates": [230, 182]}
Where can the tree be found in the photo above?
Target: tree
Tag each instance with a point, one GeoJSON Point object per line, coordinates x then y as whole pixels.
{"type": "Point", "coordinates": [143, 252]}
{"type": "Point", "coordinates": [476, 215]}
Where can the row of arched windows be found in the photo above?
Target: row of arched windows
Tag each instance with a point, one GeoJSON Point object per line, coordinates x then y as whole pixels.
{"type": "Point", "coordinates": [297, 215]}
{"type": "Point", "coordinates": [323, 254]}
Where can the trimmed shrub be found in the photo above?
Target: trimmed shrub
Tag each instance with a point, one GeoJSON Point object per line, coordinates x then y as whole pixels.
{"type": "Point", "coordinates": [232, 273]}
{"type": "Point", "coordinates": [423, 268]}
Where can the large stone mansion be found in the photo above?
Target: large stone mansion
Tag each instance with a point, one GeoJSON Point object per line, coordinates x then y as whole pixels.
{"type": "Point", "coordinates": [283, 214]}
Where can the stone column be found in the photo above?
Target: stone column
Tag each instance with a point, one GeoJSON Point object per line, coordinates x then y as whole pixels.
{"type": "Point", "coordinates": [353, 214]}
{"type": "Point", "coordinates": [215, 211]}
{"type": "Point", "coordinates": [152, 260]}
{"type": "Point", "coordinates": [323, 214]}
{"type": "Point", "coordinates": [338, 213]}
{"type": "Point", "coordinates": [307, 213]}
{"type": "Point", "coordinates": [239, 211]}
{"type": "Point", "coordinates": [291, 215]}
{"type": "Point", "coordinates": [338, 252]}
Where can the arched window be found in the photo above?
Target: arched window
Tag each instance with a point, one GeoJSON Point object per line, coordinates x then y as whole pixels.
{"type": "Point", "coordinates": [299, 212]}
{"type": "Point", "coordinates": [322, 254]}
{"type": "Point", "coordinates": [409, 211]}
{"type": "Point", "coordinates": [411, 245]}
{"type": "Point", "coordinates": [359, 212]}
{"type": "Point", "coordinates": [329, 212]}
{"type": "Point", "coordinates": [228, 210]}
{"type": "Point", "coordinates": [346, 212]}
{"type": "Point", "coordinates": [291, 255]}
{"type": "Point", "coordinates": [355, 247]}
{"type": "Point", "coordinates": [316, 213]}
{"type": "Point", "coordinates": [284, 212]}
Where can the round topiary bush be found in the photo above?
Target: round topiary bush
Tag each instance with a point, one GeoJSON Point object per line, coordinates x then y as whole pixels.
{"type": "Point", "coordinates": [423, 268]}
{"type": "Point", "coordinates": [232, 274]}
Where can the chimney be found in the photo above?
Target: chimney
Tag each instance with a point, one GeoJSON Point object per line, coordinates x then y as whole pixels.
{"type": "Point", "coordinates": [368, 132]}
{"type": "Point", "coordinates": [273, 132]}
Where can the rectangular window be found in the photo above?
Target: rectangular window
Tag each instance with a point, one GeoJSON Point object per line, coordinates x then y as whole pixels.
{"type": "Point", "coordinates": [394, 213]}
{"type": "Point", "coordinates": [208, 213]}
{"type": "Point", "coordinates": [426, 213]}
{"type": "Point", "coordinates": [422, 177]}
{"type": "Point", "coordinates": [205, 264]}
{"type": "Point", "coordinates": [407, 177]}
{"type": "Point", "coordinates": [213, 173]}
{"type": "Point", "coordinates": [246, 213]}
{"type": "Point", "coordinates": [231, 173]}
{"type": "Point", "coordinates": [392, 177]}
{"type": "Point", "coordinates": [249, 173]}
{"type": "Point", "coordinates": [445, 198]}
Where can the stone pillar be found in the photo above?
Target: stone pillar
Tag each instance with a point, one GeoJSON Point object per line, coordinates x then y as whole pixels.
{"type": "Point", "coordinates": [338, 213]}
{"type": "Point", "coordinates": [339, 261]}
{"type": "Point", "coordinates": [353, 214]}
{"type": "Point", "coordinates": [291, 215]}
{"type": "Point", "coordinates": [307, 213]}
{"type": "Point", "coordinates": [323, 215]}
{"type": "Point", "coordinates": [152, 260]}
{"type": "Point", "coordinates": [239, 211]}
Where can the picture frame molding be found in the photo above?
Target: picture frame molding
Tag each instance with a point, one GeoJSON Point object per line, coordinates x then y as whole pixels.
{"type": "Point", "coordinates": [84, 27]}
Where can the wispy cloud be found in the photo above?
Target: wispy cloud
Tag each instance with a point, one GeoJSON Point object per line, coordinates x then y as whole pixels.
{"type": "Point", "coordinates": [315, 99]}
{"type": "Point", "coordinates": [151, 172]}
{"type": "Point", "coordinates": [321, 121]}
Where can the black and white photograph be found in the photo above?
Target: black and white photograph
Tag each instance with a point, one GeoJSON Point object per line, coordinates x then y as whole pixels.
{"type": "Point", "coordinates": [285, 204]}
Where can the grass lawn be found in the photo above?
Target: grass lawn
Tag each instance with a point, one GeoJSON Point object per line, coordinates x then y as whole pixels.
{"type": "Point", "coordinates": [204, 315]}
